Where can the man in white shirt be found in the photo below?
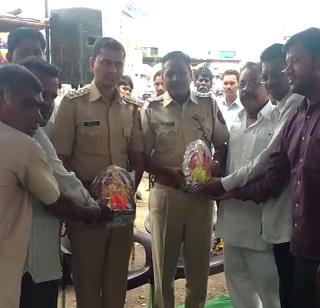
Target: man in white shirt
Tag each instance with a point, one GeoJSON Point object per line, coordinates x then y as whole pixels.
{"type": "Point", "coordinates": [24, 173]}
{"type": "Point", "coordinates": [230, 104]}
{"type": "Point", "coordinates": [43, 268]}
{"type": "Point", "coordinates": [250, 268]}
{"type": "Point", "coordinates": [276, 219]}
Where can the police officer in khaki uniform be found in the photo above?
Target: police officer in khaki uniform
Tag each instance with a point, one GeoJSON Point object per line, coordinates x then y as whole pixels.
{"type": "Point", "coordinates": [179, 219]}
{"type": "Point", "coordinates": [95, 128]}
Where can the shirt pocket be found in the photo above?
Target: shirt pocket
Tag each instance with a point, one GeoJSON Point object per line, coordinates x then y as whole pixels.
{"type": "Point", "coordinates": [92, 139]}
{"type": "Point", "coordinates": [166, 135]}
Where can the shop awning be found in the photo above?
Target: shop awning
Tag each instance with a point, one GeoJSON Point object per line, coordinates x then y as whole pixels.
{"type": "Point", "coordinates": [8, 23]}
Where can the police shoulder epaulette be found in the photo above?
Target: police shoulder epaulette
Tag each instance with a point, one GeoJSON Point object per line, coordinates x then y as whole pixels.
{"type": "Point", "coordinates": [156, 99]}
{"type": "Point", "coordinates": [130, 100]}
{"type": "Point", "coordinates": [77, 93]}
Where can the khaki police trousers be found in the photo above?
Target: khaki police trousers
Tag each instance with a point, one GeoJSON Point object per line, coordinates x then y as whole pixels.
{"type": "Point", "coordinates": [100, 260]}
{"type": "Point", "coordinates": [180, 219]}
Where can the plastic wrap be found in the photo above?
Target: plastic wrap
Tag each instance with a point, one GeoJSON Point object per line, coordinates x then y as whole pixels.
{"type": "Point", "coordinates": [196, 165]}
{"type": "Point", "coordinates": [115, 189]}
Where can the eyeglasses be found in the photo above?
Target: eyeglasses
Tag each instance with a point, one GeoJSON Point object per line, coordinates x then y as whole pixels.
{"type": "Point", "coordinates": [250, 84]}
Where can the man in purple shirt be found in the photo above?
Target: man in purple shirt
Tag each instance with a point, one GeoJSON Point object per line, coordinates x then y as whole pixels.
{"type": "Point", "coordinates": [295, 158]}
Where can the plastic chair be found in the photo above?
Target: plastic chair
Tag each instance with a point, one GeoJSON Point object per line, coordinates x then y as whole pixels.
{"type": "Point", "coordinates": [144, 275]}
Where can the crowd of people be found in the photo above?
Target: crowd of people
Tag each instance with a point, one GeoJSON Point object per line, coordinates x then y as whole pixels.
{"type": "Point", "coordinates": [265, 132]}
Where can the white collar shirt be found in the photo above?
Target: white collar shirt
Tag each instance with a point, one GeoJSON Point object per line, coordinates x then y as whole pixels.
{"type": "Point", "coordinates": [276, 220]}
{"type": "Point", "coordinates": [230, 113]}
{"type": "Point", "coordinates": [239, 222]}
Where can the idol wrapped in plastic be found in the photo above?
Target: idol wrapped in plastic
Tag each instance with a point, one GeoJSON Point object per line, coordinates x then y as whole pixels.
{"type": "Point", "coordinates": [196, 165]}
{"type": "Point", "coordinates": [115, 189]}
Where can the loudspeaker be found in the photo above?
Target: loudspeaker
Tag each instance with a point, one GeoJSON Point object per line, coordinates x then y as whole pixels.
{"type": "Point", "coordinates": [72, 34]}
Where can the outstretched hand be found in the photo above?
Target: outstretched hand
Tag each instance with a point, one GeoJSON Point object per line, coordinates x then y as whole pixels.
{"type": "Point", "coordinates": [97, 213]}
{"type": "Point", "coordinates": [106, 213]}
{"type": "Point", "coordinates": [213, 187]}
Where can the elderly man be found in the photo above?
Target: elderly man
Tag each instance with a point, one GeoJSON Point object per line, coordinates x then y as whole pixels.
{"type": "Point", "coordinates": [239, 223]}
{"type": "Point", "coordinates": [294, 159]}
{"type": "Point", "coordinates": [203, 81]}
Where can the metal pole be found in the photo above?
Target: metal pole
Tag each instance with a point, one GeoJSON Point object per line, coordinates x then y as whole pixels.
{"type": "Point", "coordinates": [47, 29]}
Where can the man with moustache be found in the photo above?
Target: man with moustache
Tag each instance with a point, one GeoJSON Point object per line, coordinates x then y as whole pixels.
{"type": "Point", "coordinates": [24, 173]}
{"type": "Point", "coordinates": [178, 218]}
{"type": "Point", "coordinates": [39, 283]}
{"type": "Point", "coordinates": [25, 42]}
{"type": "Point", "coordinates": [295, 158]}
{"type": "Point", "coordinates": [277, 222]}
{"type": "Point", "coordinates": [204, 80]}
{"type": "Point", "coordinates": [249, 265]}
{"type": "Point", "coordinates": [158, 83]}
{"type": "Point", "coordinates": [39, 286]}
{"type": "Point", "coordinates": [276, 218]}
{"type": "Point", "coordinates": [95, 127]}
{"type": "Point", "coordinates": [43, 268]}
{"type": "Point", "coordinates": [230, 105]}
{"type": "Point", "coordinates": [158, 86]}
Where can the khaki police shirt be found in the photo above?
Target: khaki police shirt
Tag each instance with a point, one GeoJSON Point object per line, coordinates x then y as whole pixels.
{"type": "Point", "coordinates": [169, 127]}
{"type": "Point", "coordinates": [96, 133]}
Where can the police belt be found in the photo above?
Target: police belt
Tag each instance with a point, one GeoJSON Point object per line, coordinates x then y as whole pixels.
{"type": "Point", "coordinates": [166, 181]}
